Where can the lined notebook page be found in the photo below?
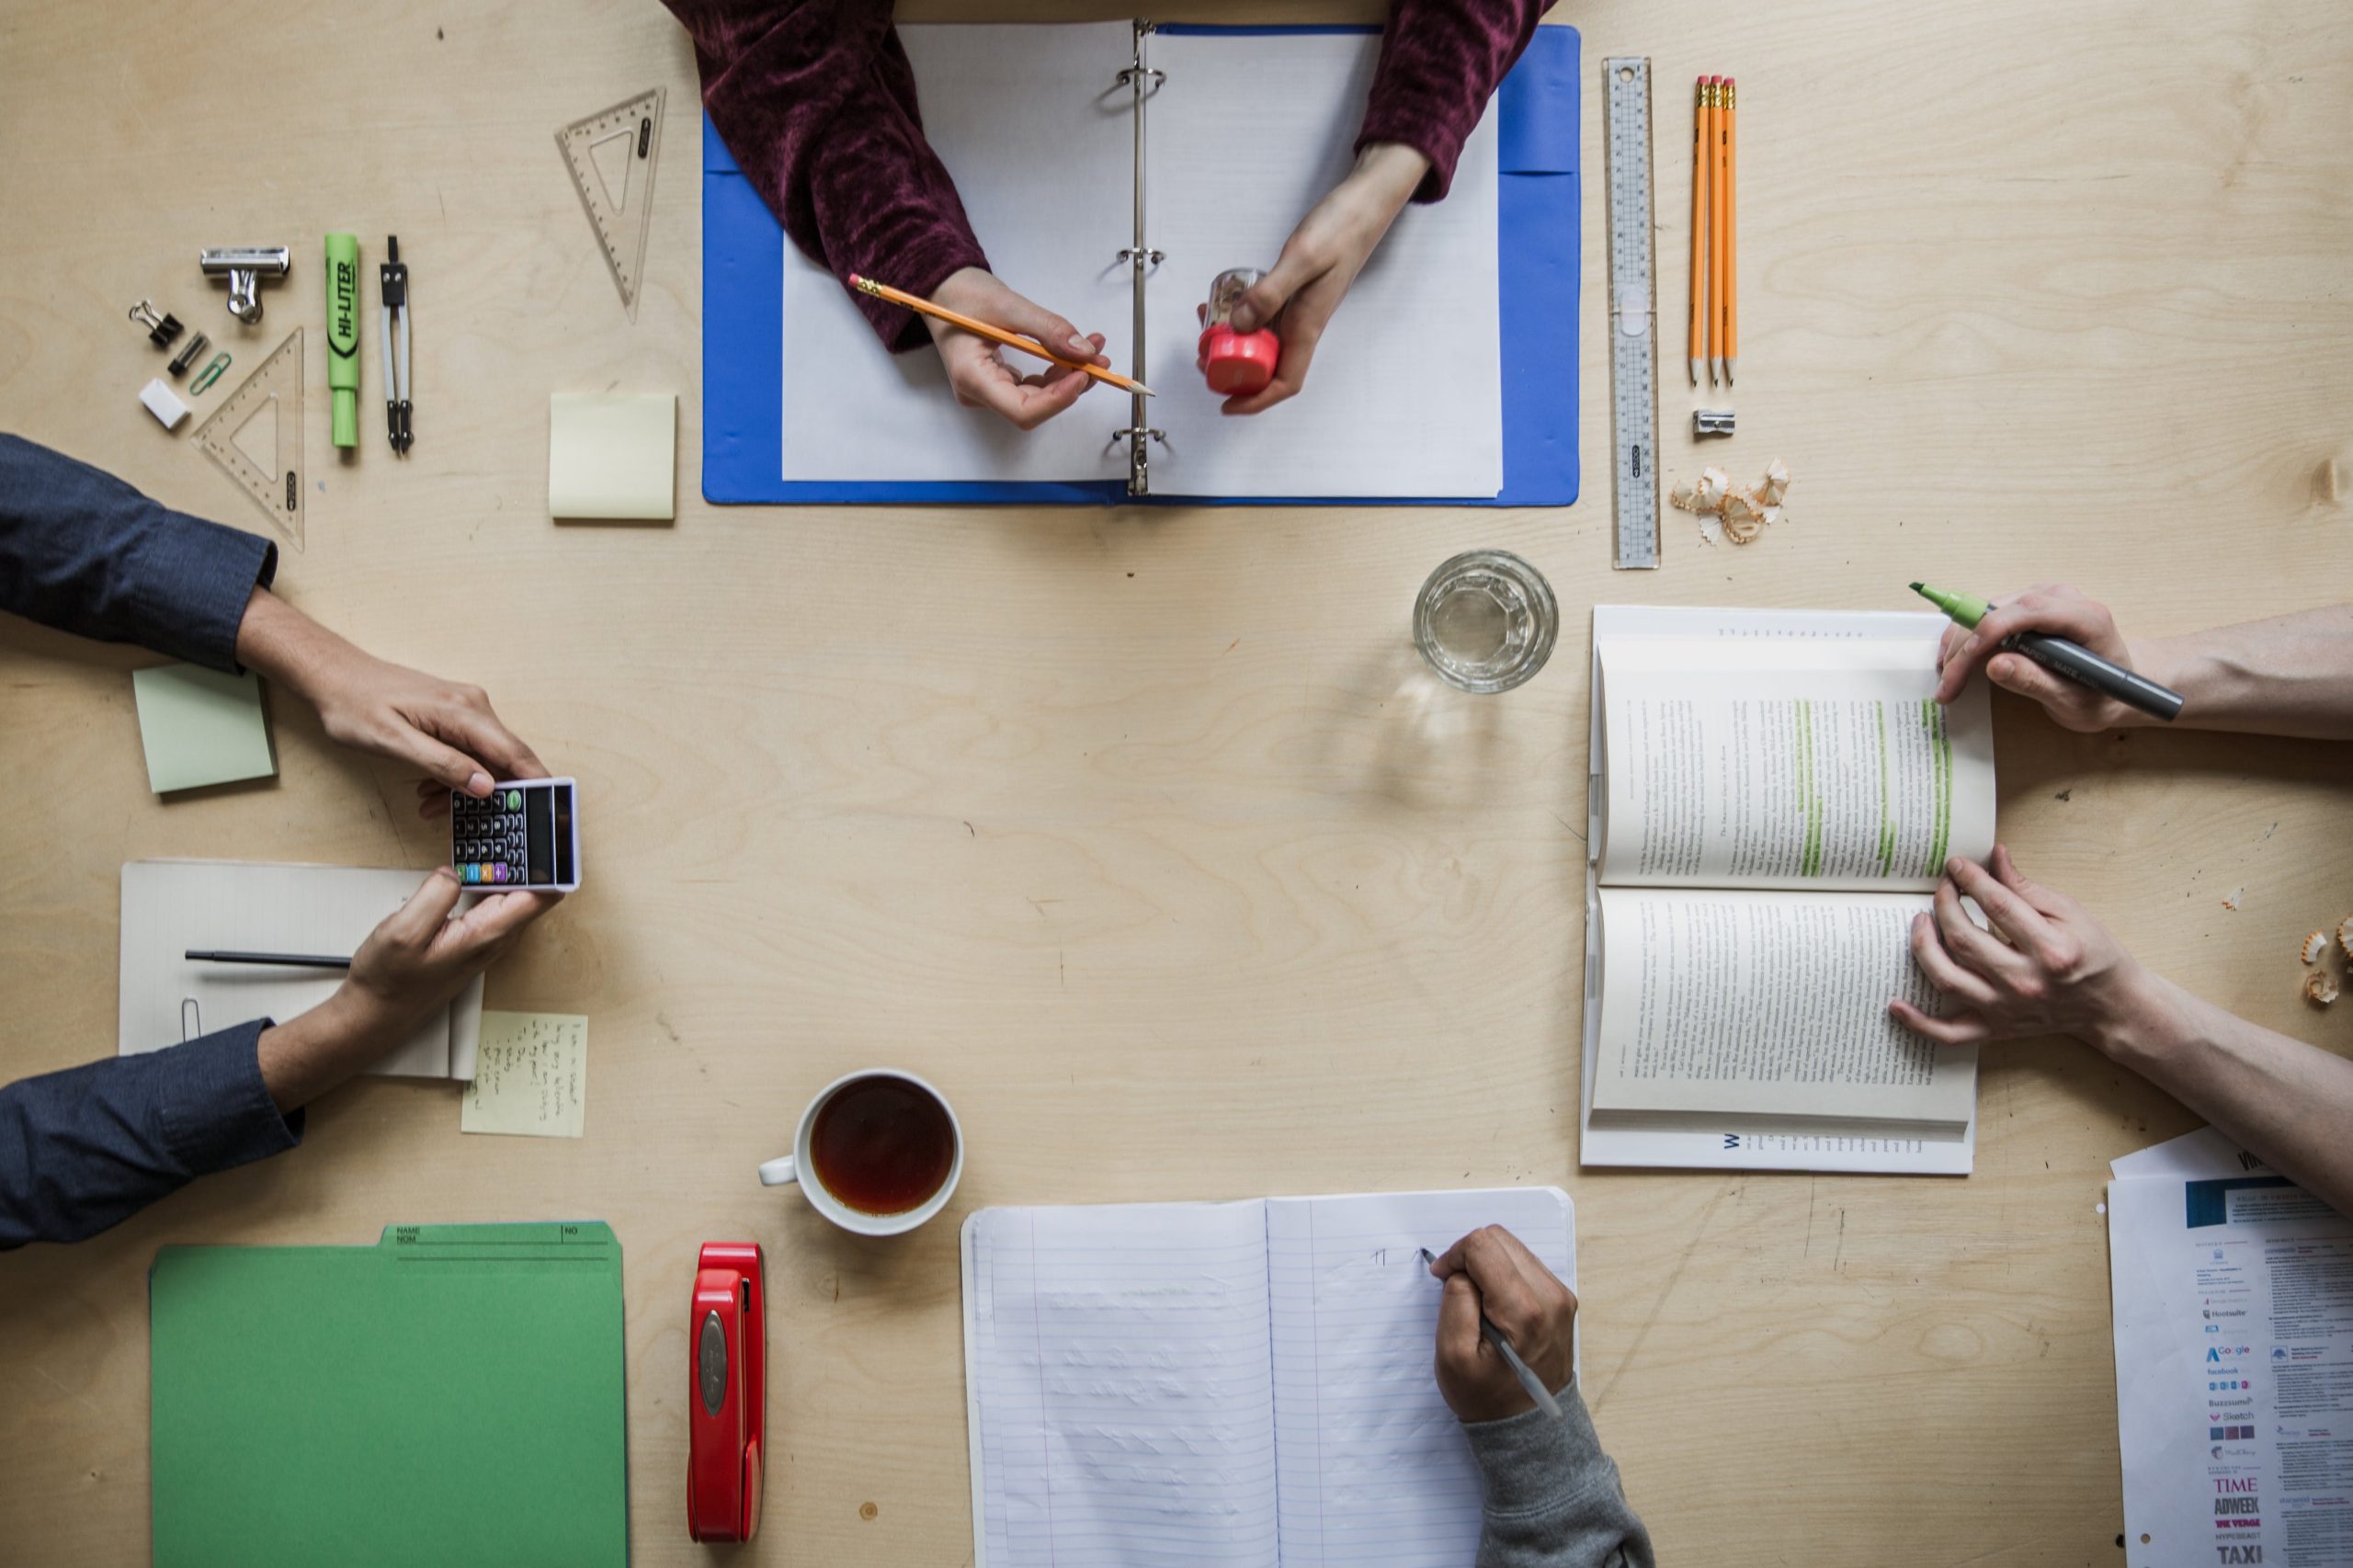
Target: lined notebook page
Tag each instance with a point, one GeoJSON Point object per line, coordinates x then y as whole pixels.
{"type": "Point", "coordinates": [1373, 1466]}
{"type": "Point", "coordinates": [1117, 1361]}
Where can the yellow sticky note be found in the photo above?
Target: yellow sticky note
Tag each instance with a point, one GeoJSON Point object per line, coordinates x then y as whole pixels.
{"type": "Point", "coordinates": [613, 455]}
{"type": "Point", "coordinates": [200, 726]}
{"type": "Point", "coordinates": [531, 1077]}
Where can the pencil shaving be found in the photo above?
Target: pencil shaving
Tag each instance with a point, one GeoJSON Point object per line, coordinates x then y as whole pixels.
{"type": "Point", "coordinates": [2231, 899]}
{"type": "Point", "coordinates": [2345, 937]}
{"type": "Point", "coordinates": [1736, 516]}
{"type": "Point", "coordinates": [2320, 988]}
{"type": "Point", "coordinates": [2314, 946]}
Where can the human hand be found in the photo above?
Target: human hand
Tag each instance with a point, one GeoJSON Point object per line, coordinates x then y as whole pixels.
{"type": "Point", "coordinates": [1491, 1270]}
{"type": "Point", "coordinates": [2059, 610]}
{"type": "Point", "coordinates": [977, 369]}
{"type": "Point", "coordinates": [2046, 968]}
{"type": "Point", "coordinates": [446, 729]}
{"type": "Point", "coordinates": [1319, 263]}
{"type": "Point", "coordinates": [415, 961]}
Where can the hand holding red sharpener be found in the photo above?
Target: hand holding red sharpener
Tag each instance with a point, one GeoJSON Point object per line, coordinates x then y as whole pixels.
{"type": "Point", "coordinates": [1234, 363]}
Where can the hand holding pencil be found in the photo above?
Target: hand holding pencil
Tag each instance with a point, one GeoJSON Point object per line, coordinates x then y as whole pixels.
{"type": "Point", "coordinates": [969, 319]}
{"type": "Point", "coordinates": [1506, 1328]}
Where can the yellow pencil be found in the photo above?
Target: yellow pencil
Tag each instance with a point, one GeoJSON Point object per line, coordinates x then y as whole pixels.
{"type": "Point", "coordinates": [997, 335]}
{"type": "Point", "coordinates": [1719, 259]}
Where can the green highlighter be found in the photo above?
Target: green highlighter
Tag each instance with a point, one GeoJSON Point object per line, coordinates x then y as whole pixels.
{"type": "Point", "coordinates": [2062, 657]}
{"type": "Point", "coordinates": [342, 335]}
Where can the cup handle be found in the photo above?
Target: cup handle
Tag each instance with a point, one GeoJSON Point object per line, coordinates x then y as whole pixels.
{"type": "Point", "coordinates": [779, 1173]}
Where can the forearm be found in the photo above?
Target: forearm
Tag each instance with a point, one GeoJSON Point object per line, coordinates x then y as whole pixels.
{"type": "Point", "coordinates": [286, 647]}
{"type": "Point", "coordinates": [2290, 675]}
{"type": "Point", "coordinates": [1440, 61]}
{"type": "Point", "coordinates": [1552, 1499]}
{"type": "Point", "coordinates": [817, 102]}
{"type": "Point", "coordinates": [84, 552]}
{"type": "Point", "coordinates": [2290, 1102]}
{"type": "Point", "coordinates": [303, 1059]}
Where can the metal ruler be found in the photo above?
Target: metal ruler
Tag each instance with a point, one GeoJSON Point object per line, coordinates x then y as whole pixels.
{"type": "Point", "coordinates": [611, 155]}
{"type": "Point", "coordinates": [256, 436]}
{"type": "Point", "coordinates": [1633, 315]}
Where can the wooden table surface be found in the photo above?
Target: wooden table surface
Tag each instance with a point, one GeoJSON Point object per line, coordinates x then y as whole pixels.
{"type": "Point", "coordinates": [1111, 823]}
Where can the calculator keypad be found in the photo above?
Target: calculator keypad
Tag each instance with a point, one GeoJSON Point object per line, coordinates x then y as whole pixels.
{"type": "Point", "coordinates": [489, 838]}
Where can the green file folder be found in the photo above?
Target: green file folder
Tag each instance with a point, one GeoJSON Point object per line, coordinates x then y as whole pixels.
{"type": "Point", "coordinates": [453, 1395]}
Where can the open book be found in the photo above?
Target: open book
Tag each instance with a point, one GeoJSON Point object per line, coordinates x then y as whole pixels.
{"type": "Point", "coordinates": [1774, 795]}
{"type": "Point", "coordinates": [1245, 1384]}
{"type": "Point", "coordinates": [1065, 171]}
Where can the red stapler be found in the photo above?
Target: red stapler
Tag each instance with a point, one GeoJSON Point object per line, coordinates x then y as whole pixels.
{"type": "Point", "coordinates": [727, 1404]}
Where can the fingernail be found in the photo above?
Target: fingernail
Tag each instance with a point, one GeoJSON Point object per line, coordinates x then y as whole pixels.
{"type": "Point", "coordinates": [479, 784]}
{"type": "Point", "coordinates": [1079, 344]}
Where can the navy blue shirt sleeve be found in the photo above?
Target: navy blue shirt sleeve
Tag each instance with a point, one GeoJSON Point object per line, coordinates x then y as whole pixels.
{"type": "Point", "coordinates": [88, 1147]}
{"type": "Point", "coordinates": [85, 553]}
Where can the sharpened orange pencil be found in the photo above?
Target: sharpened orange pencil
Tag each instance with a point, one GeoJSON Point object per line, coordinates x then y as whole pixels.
{"type": "Point", "coordinates": [1700, 161]}
{"type": "Point", "coordinates": [995, 334]}
{"type": "Point", "coordinates": [1716, 281]}
{"type": "Point", "coordinates": [1729, 280]}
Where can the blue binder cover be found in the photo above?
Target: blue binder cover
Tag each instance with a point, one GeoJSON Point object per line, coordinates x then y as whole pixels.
{"type": "Point", "coordinates": [1537, 106]}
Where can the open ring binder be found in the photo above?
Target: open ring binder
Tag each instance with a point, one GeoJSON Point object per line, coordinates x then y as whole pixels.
{"type": "Point", "coordinates": [1143, 80]}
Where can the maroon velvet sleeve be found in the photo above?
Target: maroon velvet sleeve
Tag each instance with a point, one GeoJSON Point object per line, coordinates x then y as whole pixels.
{"type": "Point", "coordinates": [1440, 61]}
{"type": "Point", "coordinates": [817, 102]}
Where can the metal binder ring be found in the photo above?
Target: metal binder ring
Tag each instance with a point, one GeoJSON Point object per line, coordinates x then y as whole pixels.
{"type": "Point", "coordinates": [1130, 253]}
{"type": "Point", "coordinates": [1128, 74]}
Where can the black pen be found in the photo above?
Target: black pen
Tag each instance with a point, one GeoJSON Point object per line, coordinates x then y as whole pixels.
{"type": "Point", "coordinates": [286, 960]}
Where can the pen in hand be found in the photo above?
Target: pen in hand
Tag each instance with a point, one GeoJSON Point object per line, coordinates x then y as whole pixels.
{"type": "Point", "coordinates": [1519, 1368]}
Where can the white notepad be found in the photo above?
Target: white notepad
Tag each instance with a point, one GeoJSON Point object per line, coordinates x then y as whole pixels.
{"type": "Point", "coordinates": [1163, 1385]}
{"type": "Point", "coordinates": [1246, 132]}
{"type": "Point", "coordinates": [170, 906]}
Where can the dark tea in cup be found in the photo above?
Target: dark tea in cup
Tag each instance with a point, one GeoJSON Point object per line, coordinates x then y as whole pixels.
{"type": "Point", "coordinates": [883, 1146]}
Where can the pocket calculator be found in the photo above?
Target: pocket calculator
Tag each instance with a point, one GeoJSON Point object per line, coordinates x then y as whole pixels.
{"type": "Point", "coordinates": [524, 833]}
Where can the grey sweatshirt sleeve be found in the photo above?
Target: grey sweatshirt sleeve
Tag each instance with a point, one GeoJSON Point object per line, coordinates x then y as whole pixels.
{"type": "Point", "coordinates": [1553, 1499]}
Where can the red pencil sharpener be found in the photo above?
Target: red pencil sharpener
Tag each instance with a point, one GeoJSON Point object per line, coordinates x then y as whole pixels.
{"type": "Point", "coordinates": [727, 1358]}
{"type": "Point", "coordinates": [1234, 363]}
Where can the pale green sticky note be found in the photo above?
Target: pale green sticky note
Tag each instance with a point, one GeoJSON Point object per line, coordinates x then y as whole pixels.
{"type": "Point", "coordinates": [199, 727]}
{"type": "Point", "coordinates": [532, 1076]}
{"type": "Point", "coordinates": [613, 455]}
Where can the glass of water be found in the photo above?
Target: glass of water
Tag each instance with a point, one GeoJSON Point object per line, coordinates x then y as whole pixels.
{"type": "Point", "coordinates": [1485, 621]}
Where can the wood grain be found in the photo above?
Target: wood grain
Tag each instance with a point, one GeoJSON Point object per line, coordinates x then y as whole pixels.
{"type": "Point", "coordinates": [1116, 823]}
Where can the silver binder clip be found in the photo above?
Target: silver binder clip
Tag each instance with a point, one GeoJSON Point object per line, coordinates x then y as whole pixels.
{"type": "Point", "coordinates": [245, 266]}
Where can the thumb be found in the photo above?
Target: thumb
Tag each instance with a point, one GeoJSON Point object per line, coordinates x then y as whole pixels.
{"type": "Point", "coordinates": [2015, 672]}
{"type": "Point", "coordinates": [1265, 299]}
{"type": "Point", "coordinates": [426, 911]}
{"type": "Point", "coordinates": [1458, 1322]}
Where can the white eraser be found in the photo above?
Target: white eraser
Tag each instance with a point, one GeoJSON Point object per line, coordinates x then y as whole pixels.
{"type": "Point", "coordinates": [163, 403]}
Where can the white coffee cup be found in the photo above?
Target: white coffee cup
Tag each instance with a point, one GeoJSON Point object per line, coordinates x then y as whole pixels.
{"type": "Point", "coordinates": [797, 1169]}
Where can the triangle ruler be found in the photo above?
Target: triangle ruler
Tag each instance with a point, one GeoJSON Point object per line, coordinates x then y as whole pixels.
{"type": "Point", "coordinates": [611, 156]}
{"type": "Point", "coordinates": [256, 436]}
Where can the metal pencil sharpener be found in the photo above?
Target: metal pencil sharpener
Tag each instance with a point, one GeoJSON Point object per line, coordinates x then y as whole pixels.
{"type": "Point", "coordinates": [245, 266]}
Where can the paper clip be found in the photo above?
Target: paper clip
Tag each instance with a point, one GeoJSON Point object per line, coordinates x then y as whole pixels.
{"type": "Point", "coordinates": [191, 1019]}
{"type": "Point", "coordinates": [210, 374]}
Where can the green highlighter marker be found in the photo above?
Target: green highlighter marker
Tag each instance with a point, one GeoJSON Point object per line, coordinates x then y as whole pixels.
{"type": "Point", "coordinates": [2060, 656]}
{"type": "Point", "coordinates": [342, 335]}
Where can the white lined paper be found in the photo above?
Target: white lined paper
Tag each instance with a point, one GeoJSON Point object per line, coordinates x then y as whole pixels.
{"type": "Point", "coordinates": [1238, 1382]}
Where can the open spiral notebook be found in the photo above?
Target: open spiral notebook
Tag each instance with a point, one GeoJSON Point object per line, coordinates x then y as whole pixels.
{"type": "Point", "coordinates": [1163, 1385]}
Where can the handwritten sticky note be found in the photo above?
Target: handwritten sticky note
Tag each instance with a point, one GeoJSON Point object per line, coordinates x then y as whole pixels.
{"type": "Point", "coordinates": [200, 726]}
{"type": "Point", "coordinates": [531, 1077]}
